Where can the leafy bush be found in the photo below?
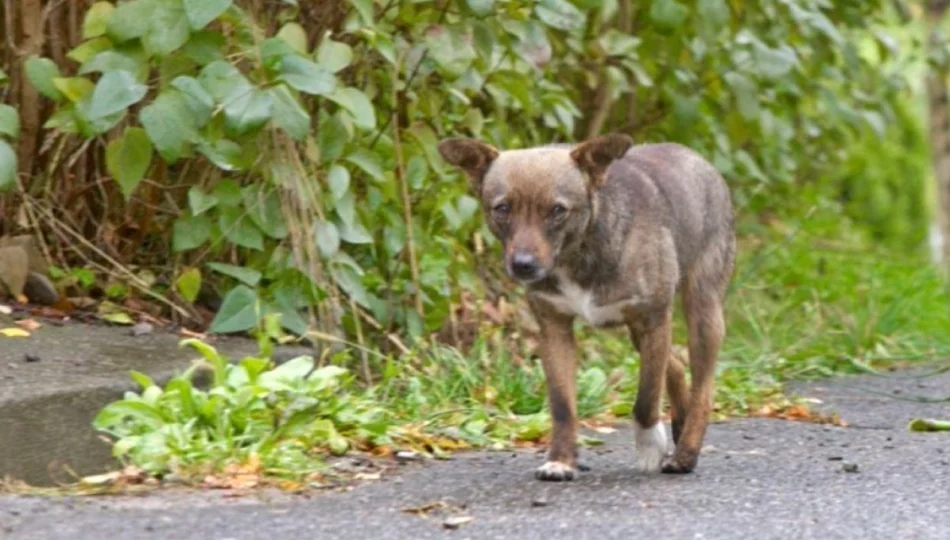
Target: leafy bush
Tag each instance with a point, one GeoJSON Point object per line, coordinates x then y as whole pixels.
{"type": "Point", "coordinates": [306, 175]}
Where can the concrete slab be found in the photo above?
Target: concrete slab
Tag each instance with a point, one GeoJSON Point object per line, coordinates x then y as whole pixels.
{"type": "Point", "coordinates": [54, 382]}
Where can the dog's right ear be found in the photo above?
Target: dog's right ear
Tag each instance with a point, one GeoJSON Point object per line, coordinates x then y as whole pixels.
{"type": "Point", "coordinates": [472, 156]}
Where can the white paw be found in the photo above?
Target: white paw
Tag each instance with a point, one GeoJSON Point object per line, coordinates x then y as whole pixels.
{"type": "Point", "coordinates": [555, 471]}
{"type": "Point", "coordinates": [651, 446]}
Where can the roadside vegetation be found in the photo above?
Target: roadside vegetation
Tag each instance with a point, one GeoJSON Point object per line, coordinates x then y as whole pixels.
{"type": "Point", "coordinates": [233, 167]}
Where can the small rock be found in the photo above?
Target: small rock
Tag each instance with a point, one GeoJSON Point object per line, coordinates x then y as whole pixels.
{"type": "Point", "coordinates": [30, 358]}
{"type": "Point", "coordinates": [142, 328]}
{"type": "Point", "coordinates": [408, 456]}
{"type": "Point", "coordinates": [539, 502]}
{"type": "Point", "coordinates": [849, 467]}
{"type": "Point", "coordinates": [455, 522]}
{"type": "Point", "coordinates": [748, 437]}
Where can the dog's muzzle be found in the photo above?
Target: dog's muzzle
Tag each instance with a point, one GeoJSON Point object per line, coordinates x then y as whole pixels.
{"type": "Point", "coordinates": [524, 266]}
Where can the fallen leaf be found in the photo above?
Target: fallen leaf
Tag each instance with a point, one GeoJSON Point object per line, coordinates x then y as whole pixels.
{"type": "Point", "coordinates": [929, 424]}
{"type": "Point", "coordinates": [14, 332]}
{"type": "Point", "coordinates": [425, 508]}
{"type": "Point", "coordinates": [367, 476]}
{"type": "Point", "coordinates": [456, 521]}
{"type": "Point", "coordinates": [118, 318]}
{"type": "Point", "coordinates": [28, 324]}
{"type": "Point", "coordinates": [101, 479]}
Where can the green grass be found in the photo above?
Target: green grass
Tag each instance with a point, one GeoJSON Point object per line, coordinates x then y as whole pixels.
{"type": "Point", "coordinates": [802, 306]}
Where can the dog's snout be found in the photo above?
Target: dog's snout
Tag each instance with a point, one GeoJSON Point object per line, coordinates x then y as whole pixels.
{"type": "Point", "coordinates": [524, 265]}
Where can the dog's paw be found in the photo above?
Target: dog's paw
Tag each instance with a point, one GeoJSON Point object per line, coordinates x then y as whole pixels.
{"type": "Point", "coordinates": [651, 445]}
{"type": "Point", "coordinates": [680, 463]}
{"type": "Point", "coordinates": [555, 471]}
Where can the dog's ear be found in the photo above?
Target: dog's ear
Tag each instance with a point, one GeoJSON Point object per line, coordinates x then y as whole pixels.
{"type": "Point", "coordinates": [595, 155]}
{"type": "Point", "coordinates": [473, 157]}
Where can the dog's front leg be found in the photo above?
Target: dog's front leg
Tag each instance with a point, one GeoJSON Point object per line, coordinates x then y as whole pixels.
{"type": "Point", "coordinates": [559, 358]}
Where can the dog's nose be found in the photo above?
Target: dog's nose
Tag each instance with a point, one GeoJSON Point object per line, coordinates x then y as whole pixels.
{"type": "Point", "coordinates": [524, 265]}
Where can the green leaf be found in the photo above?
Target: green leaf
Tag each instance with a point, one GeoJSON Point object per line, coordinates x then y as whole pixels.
{"type": "Point", "coordinates": [347, 279]}
{"type": "Point", "coordinates": [240, 310]}
{"type": "Point", "coordinates": [266, 211]}
{"type": "Point", "coordinates": [9, 121]}
{"type": "Point", "coordinates": [97, 19]}
{"type": "Point", "coordinates": [775, 63]}
{"type": "Point", "coordinates": [128, 159]}
{"type": "Point", "coordinates": [328, 238]}
{"type": "Point", "coordinates": [169, 124]}
{"type": "Point", "coordinates": [3, 78]}
{"type": "Point", "coordinates": [168, 28]}
{"type": "Point", "coordinates": [332, 138]}
{"type": "Point", "coordinates": [41, 72]}
{"type": "Point", "coordinates": [89, 49]}
{"type": "Point", "coordinates": [190, 232]}
{"type": "Point", "coordinates": [369, 163]}
{"type": "Point", "coordinates": [245, 107]}
{"type": "Point", "coordinates": [481, 7]}
{"type": "Point", "coordinates": [117, 411]}
{"type": "Point", "coordinates": [188, 284]}
{"type": "Point", "coordinates": [74, 88]}
{"type": "Point", "coordinates": [7, 166]}
{"type": "Point", "coordinates": [339, 181]}
{"type": "Point", "coordinates": [288, 114]}
{"type": "Point", "coordinates": [114, 60]}
{"type": "Point", "coordinates": [334, 55]}
{"type": "Point", "coordinates": [668, 14]}
{"type": "Point", "coordinates": [197, 99]}
{"type": "Point", "coordinates": [228, 193]}
{"type": "Point", "coordinates": [355, 233]}
{"type": "Point", "coordinates": [200, 13]}
{"type": "Point", "coordinates": [365, 9]}
{"type": "Point", "coordinates": [306, 76]}
{"type": "Point", "coordinates": [929, 424]}
{"type": "Point", "coordinates": [199, 201]}
{"type": "Point", "coordinates": [118, 317]}
{"type": "Point", "coordinates": [560, 14]}
{"type": "Point", "coordinates": [451, 48]}
{"type": "Point", "coordinates": [357, 104]}
{"type": "Point", "coordinates": [746, 93]}
{"type": "Point", "coordinates": [346, 208]}
{"type": "Point", "coordinates": [295, 36]}
{"type": "Point", "coordinates": [245, 275]}
{"type": "Point", "coordinates": [205, 47]}
{"type": "Point", "coordinates": [130, 20]}
{"type": "Point", "coordinates": [114, 92]}
{"type": "Point", "coordinates": [227, 155]}
{"type": "Point", "coordinates": [713, 13]}
{"type": "Point", "coordinates": [239, 229]}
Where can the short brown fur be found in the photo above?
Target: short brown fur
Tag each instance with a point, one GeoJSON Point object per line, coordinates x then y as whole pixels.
{"type": "Point", "coordinates": [611, 232]}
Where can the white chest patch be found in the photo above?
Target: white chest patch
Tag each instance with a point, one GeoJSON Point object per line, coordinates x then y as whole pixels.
{"type": "Point", "coordinates": [575, 300]}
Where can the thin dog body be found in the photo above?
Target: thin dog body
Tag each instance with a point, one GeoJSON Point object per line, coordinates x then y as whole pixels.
{"type": "Point", "coordinates": [610, 232]}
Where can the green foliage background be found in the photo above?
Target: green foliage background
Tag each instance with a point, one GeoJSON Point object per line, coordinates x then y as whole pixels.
{"type": "Point", "coordinates": [298, 173]}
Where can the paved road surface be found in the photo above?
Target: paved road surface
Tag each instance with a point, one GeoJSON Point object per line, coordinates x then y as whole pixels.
{"type": "Point", "coordinates": [758, 479]}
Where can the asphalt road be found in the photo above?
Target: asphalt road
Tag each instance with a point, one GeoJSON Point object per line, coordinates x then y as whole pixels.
{"type": "Point", "coordinates": [757, 479]}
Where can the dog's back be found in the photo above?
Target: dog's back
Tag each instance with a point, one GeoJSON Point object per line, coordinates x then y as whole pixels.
{"type": "Point", "coordinates": [671, 186]}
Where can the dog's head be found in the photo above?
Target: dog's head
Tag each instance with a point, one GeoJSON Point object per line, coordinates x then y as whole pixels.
{"type": "Point", "coordinates": [536, 200]}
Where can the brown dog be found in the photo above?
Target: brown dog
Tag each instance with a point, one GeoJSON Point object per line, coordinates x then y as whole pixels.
{"type": "Point", "coordinates": [611, 232]}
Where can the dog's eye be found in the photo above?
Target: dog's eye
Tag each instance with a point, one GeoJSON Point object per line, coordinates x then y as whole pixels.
{"type": "Point", "coordinates": [501, 210]}
{"type": "Point", "coordinates": [558, 210]}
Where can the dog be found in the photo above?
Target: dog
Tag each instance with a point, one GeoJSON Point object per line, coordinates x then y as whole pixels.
{"type": "Point", "coordinates": [611, 232]}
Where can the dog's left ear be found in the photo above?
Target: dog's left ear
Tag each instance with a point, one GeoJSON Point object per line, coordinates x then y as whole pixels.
{"type": "Point", "coordinates": [595, 155]}
{"type": "Point", "coordinates": [473, 157]}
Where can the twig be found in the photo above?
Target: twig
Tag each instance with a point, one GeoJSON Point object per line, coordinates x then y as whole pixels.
{"type": "Point", "coordinates": [406, 200]}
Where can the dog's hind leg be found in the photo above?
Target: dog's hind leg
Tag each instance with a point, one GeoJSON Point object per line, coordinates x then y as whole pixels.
{"type": "Point", "coordinates": [703, 296]}
{"type": "Point", "coordinates": [652, 335]}
{"type": "Point", "coordinates": [559, 359]}
{"type": "Point", "coordinates": [678, 393]}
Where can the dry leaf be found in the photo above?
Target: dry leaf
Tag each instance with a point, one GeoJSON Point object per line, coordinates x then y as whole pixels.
{"type": "Point", "coordinates": [29, 324]}
{"type": "Point", "coordinates": [14, 332]}
{"type": "Point", "coordinates": [5, 309]}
